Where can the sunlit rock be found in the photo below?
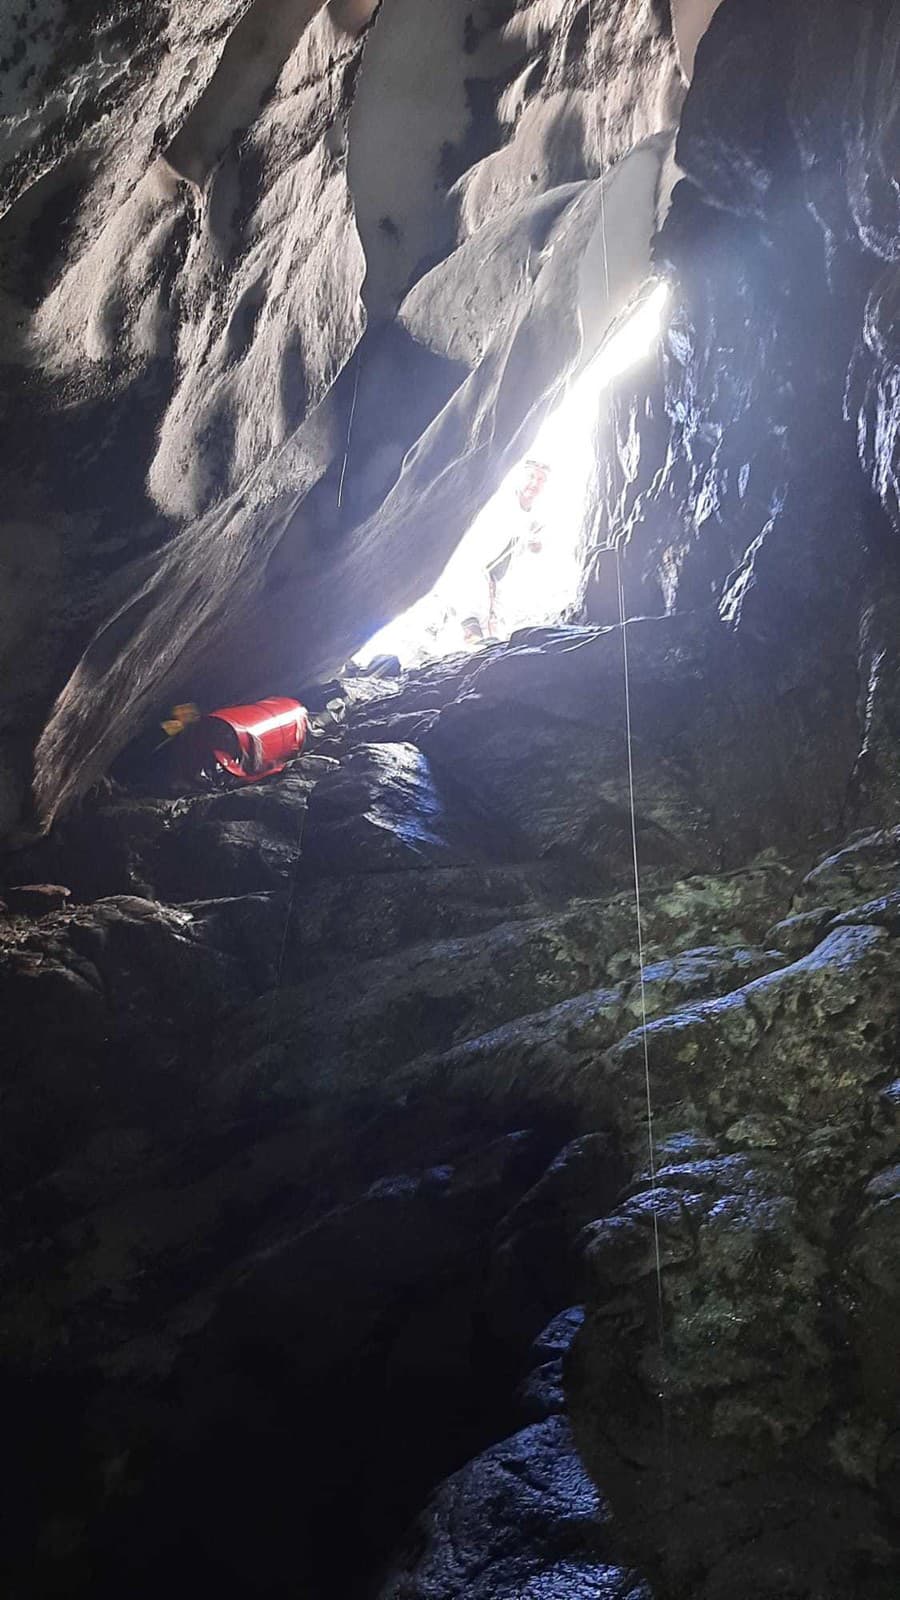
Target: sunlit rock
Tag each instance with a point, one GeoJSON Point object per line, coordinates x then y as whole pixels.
{"type": "Point", "coordinates": [690, 20]}
{"type": "Point", "coordinates": [465, 1164]}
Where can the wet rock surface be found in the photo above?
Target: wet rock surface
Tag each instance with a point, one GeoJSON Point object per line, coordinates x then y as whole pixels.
{"type": "Point", "coordinates": [339, 1258]}
{"type": "Point", "coordinates": [211, 216]}
{"type": "Point", "coordinates": [523, 1519]}
{"type": "Point", "coordinates": [332, 1140]}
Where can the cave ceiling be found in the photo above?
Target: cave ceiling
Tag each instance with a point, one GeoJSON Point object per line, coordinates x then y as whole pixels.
{"type": "Point", "coordinates": [323, 1094]}
{"type": "Point", "coordinates": [224, 227]}
{"type": "Point", "coordinates": [286, 288]}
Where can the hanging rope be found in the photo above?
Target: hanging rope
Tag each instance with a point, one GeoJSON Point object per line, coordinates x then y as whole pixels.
{"type": "Point", "coordinates": [340, 493]}
{"type": "Point", "coordinates": [274, 994]}
{"type": "Point", "coordinates": [635, 856]}
{"type": "Point", "coordinates": [651, 1142]}
{"type": "Point", "coordinates": [629, 743]}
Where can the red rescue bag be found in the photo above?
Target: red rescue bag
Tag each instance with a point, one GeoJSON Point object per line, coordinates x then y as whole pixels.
{"type": "Point", "coordinates": [247, 742]}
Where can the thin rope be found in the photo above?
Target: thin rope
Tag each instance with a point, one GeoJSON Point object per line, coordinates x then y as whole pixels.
{"type": "Point", "coordinates": [275, 992]}
{"type": "Point", "coordinates": [632, 809]}
{"type": "Point", "coordinates": [340, 494]}
{"type": "Point", "coordinates": [629, 743]}
{"type": "Point", "coordinates": [629, 746]}
{"type": "Point", "coordinates": [594, 106]}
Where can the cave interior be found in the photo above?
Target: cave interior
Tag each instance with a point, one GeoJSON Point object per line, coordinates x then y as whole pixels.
{"type": "Point", "coordinates": [463, 1164]}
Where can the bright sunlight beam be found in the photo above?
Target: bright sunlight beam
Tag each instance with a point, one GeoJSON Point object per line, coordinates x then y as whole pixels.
{"type": "Point", "coordinates": [519, 565]}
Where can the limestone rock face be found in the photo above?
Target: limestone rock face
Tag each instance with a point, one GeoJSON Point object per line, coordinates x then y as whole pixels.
{"type": "Point", "coordinates": [393, 1205]}
{"type": "Point", "coordinates": [202, 205]}
{"type": "Point", "coordinates": [774, 383]}
{"type": "Point", "coordinates": [329, 1139]}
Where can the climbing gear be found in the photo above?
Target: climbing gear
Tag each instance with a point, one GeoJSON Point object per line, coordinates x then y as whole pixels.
{"type": "Point", "coordinates": [181, 718]}
{"type": "Point", "coordinates": [245, 743]}
{"type": "Point", "coordinates": [346, 461]}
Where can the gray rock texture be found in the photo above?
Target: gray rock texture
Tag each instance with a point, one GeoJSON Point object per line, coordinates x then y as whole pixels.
{"type": "Point", "coordinates": [392, 1207]}
{"type": "Point", "coordinates": [328, 1140]}
{"type": "Point", "coordinates": [203, 208]}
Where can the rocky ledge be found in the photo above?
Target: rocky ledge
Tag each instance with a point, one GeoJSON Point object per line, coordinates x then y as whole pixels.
{"type": "Point", "coordinates": [335, 1259]}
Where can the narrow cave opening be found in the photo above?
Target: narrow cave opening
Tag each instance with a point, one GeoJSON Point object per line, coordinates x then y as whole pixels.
{"type": "Point", "coordinates": [522, 561]}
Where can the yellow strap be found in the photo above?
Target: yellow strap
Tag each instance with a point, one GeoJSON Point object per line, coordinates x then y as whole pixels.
{"type": "Point", "coordinates": [181, 718]}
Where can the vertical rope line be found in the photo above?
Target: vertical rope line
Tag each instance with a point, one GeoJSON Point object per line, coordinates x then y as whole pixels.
{"type": "Point", "coordinates": [592, 70]}
{"type": "Point", "coordinates": [651, 1142]}
{"type": "Point", "coordinates": [275, 992]}
{"type": "Point", "coordinates": [629, 743]}
{"type": "Point", "coordinates": [340, 493]}
{"type": "Point", "coordinates": [629, 746]}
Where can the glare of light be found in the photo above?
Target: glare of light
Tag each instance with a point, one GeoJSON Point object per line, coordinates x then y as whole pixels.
{"type": "Point", "coordinates": [541, 577]}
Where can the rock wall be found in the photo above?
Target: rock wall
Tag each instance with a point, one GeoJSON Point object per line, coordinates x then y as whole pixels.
{"type": "Point", "coordinates": [202, 209]}
{"type": "Point", "coordinates": [383, 1217]}
{"type": "Point", "coordinates": [325, 1155]}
